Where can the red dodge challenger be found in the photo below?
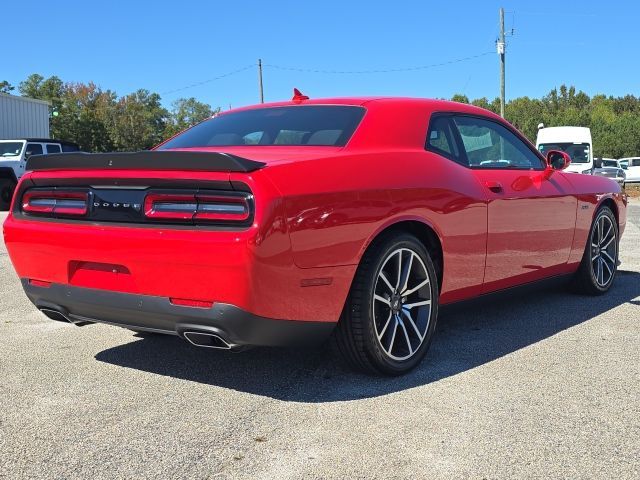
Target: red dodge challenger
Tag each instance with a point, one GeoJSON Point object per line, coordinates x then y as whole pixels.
{"type": "Point", "coordinates": [281, 224]}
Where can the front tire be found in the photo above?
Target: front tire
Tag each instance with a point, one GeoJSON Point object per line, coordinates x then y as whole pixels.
{"type": "Point", "coordinates": [7, 186]}
{"type": "Point", "coordinates": [600, 260]}
{"type": "Point", "coordinates": [390, 315]}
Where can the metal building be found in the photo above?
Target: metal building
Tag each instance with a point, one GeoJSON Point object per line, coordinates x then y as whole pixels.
{"type": "Point", "coordinates": [22, 117]}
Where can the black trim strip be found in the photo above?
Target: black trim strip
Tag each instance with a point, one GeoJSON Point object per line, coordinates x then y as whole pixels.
{"type": "Point", "coordinates": [147, 312]}
{"type": "Point", "coordinates": [149, 160]}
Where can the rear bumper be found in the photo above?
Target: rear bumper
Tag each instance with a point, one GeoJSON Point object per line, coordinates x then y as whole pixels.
{"type": "Point", "coordinates": [158, 314]}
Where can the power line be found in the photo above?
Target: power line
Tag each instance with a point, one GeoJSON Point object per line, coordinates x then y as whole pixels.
{"type": "Point", "coordinates": [388, 70]}
{"type": "Point", "coordinates": [197, 84]}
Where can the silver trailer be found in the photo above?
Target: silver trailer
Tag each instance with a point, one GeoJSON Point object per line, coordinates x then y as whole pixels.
{"type": "Point", "coordinates": [22, 117]}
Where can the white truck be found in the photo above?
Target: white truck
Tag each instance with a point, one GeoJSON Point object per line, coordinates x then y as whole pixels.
{"type": "Point", "coordinates": [13, 159]}
{"type": "Point", "coordinates": [575, 141]}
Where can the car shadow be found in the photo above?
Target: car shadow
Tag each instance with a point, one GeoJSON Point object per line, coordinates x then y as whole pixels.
{"type": "Point", "coordinates": [468, 335]}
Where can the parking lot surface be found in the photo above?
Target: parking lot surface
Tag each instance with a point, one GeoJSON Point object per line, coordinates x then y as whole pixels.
{"type": "Point", "coordinates": [535, 384]}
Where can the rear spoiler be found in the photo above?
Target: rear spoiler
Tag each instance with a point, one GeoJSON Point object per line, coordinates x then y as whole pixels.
{"type": "Point", "coordinates": [148, 160]}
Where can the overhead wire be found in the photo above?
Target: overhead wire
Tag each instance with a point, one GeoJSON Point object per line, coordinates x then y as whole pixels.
{"type": "Point", "coordinates": [197, 84]}
{"type": "Point", "coordinates": [386, 70]}
{"type": "Point", "coordinates": [325, 71]}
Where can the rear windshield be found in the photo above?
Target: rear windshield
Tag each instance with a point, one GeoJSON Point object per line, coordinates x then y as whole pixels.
{"type": "Point", "coordinates": [310, 125]}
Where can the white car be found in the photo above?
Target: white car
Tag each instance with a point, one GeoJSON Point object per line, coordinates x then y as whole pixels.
{"type": "Point", "coordinates": [631, 166]}
{"type": "Point", "coordinates": [609, 167]}
{"type": "Point", "coordinates": [610, 162]}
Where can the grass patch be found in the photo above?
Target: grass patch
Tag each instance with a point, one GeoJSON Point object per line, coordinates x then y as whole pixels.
{"type": "Point", "coordinates": [633, 190]}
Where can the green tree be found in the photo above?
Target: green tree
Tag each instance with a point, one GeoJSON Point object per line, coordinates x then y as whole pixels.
{"type": "Point", "coordinates": [186, 112]}
{"type": "Point", "coordinates": [86, 115]}
{"type": "Point", "coordinates": [6, 87]}
{"type": "Point", "coordinates": [458, 97]}
{"type": "Point", "coordinates": [139, 121]}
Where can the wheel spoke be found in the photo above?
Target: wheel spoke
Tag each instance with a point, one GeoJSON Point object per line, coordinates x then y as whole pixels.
{"type": "Point", "coordinates": [399, 270]}
{"type": "Point", "coordinates": [393, 335]}
{"type": "Point", "coordinates": [409, 306]}
{"type": "Point", "coordinates": [600, 228]}
{"type": "Point", "coordinates": [384, 329]}
{"type": "Point", "coordinates": [608, 268]}
{"type": "Point", "coordinates": [418, 287]}
{"type": "Point", "coordinates": [606, 245]}
{"type": "Point", "coordinates": [382, 299]}
{"type": "Point", "coordinates": [604, 237]}
{"type": "Point", "coordinates": [405, 274]}
{"type": "Point", "coordinates": [600, 271]}
{"type": "Point", "coordinates": [406, 336]}
{"type": "Point", "coordinates": [413, 324]}
{"type": "Point", "coordinates": [386, 281]}
{"type": "Point", "coordinates": [606, 254]}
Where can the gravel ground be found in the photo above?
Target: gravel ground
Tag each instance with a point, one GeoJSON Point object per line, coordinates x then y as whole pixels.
{"type": "Point", "coordinates": [542, 384]}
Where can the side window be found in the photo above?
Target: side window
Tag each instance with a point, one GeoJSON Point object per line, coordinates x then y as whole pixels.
{"type": "Point", "coordinates": [51, 148]}
{"type": "Point", "coordinates": [33, 149]}
{"type": "Point", "coordinates": [636, 163]}
{"type": "Point", "coordinates": [440, 138]}
{"type": "Point", "coordinates": [490, 145]}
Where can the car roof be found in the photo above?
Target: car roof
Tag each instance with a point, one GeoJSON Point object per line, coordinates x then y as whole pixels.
{"type": "Point", "coordinates": [398, 122]}
{"type": "Point", "coordinates": [430, 103]}
{"type": "Point", "coordinates": [48, 140]}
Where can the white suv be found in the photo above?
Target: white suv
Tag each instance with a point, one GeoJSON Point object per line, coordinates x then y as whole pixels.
{"type": "Point", "coordinates": [13, 159]}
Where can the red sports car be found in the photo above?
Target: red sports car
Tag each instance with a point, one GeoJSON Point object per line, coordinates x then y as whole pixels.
{"type": "Point", "coordinates": [282, 223]}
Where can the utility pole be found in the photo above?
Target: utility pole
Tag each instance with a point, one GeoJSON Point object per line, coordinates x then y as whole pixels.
{"type": "Point", "coordinates": [501, 51]}
{"type": "Point", "coordinates": [260, 80]}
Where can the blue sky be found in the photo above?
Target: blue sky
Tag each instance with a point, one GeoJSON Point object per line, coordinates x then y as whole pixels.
{"type": "Point", "coordinates": [142, 44]}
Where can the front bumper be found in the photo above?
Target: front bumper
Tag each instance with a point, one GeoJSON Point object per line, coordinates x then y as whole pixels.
{"type": "Point", "coordinates": [157, 314]}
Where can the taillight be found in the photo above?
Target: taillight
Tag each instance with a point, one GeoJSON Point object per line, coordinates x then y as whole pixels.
{"type": "Point", "coordinates": [198, 207]}
{"type": "Point", "coordinates": [160, 206]}
{"type": "Point", "coordinates": [222, 208]}
{"type": "Point", "coordinates": [55, 202]}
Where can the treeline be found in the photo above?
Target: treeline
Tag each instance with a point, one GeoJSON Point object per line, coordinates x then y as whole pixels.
{"type": "Point", "coordinates": [101, 121]}
{"type": "Point", "coordinates": [614, 121]}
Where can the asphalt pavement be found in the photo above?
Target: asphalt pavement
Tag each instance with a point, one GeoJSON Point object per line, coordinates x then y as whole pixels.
{"type": "Point", "coordinates": [535, 384]}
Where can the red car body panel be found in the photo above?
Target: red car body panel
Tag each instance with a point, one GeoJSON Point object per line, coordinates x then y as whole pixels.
{"type": "Point", "coordinates": [316, 211]}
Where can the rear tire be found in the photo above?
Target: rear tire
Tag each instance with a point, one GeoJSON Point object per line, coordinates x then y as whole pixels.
{"type": "Point", "coordinates": [390, 315]}
{"type": "Point", "coordinates": [600, 260]}
{"type": "Point", "coordinates": [7, 187]}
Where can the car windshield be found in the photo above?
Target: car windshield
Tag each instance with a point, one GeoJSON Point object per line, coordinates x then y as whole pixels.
{"type": "Point", "coordinates": [10, 149]}
{"type": "Point", "coordinates": [609, 163]}
{"type": "Point", "coordinates": [579, 152]}
{"type": "Point", "coordinates": [308, 125]}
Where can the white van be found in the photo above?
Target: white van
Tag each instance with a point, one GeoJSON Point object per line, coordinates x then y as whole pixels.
{"type": "Point", "coordinates": [631, 166]}
{"type": "Point", "coordinates": [575, 141]}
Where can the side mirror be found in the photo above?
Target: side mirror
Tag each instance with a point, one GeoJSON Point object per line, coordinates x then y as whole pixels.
{"type": "Point", "coordinates": [27, 154]}
{"type": "Point", "coordinates": [558, 160]}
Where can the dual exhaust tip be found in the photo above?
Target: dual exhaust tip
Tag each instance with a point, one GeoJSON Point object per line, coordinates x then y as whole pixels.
{"type": "Point", "coordinates": [207, 340]}
{"type": "Point", "coordinates": [60, 316]}
{"type": "Point", "coordinates": [194, 337]}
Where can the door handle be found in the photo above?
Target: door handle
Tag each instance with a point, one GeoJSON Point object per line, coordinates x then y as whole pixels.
{"type": "Point", "coordinates": [495, 187]}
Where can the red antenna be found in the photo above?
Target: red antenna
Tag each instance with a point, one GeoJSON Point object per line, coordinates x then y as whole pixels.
{"type": "Point", "coordinates": [298, 97]}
